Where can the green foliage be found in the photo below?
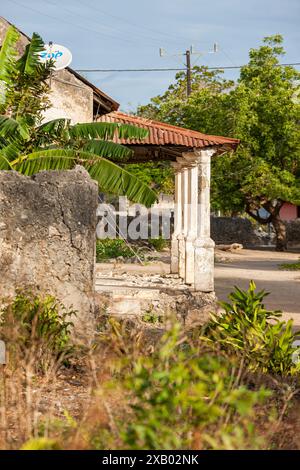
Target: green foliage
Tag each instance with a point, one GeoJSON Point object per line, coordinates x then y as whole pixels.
{"type": "Point", "coordinates": [32, 322]}
{"type": "Point", "coordinates": [254, 334]}
{"type": "Point", "coordinates": [152, 318]}
{"type": "Point", "coordinates": [173, 392]}
{"type": "Point", "coordinates": [158, 243]}
{"type": "Point", "coordinates": [158, 175]}
{"type": "Point", "coordinates": [112, 248]}
{"type": "Point", "coordinates": [290, 266]}
{"type": "Point", "coordinates": [28, 146]}
{"type": "Point", "coordinates": [183, 398]}
{"type": "Point", "coordinates": [41, 443]}
{"type": "Point", "coordinates": [29, 63]}
{"type": "Point", "coordinates": [7, 58]}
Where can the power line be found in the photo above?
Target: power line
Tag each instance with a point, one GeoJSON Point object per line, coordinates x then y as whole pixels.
{"type": "Point", "coordinates": [220, 67]}
{"type": "Point", "coordinates": [109, 29]}
{"type": "Point", "coordinates": [188, 65]}
{"type": "Point", "coordinates": [76, 25]}
{"type": "Point", "coordinates": [143, 27]}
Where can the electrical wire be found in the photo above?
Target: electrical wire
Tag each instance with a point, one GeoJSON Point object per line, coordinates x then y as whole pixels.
{"type": "Point", "coordinates": [124, 20]}
{"type": "Point", "coordinates": [155, 42]}
{"type": "Point", "coordinates": [89, 30]}
{"type": "Point", "coordinates": [220, 67]}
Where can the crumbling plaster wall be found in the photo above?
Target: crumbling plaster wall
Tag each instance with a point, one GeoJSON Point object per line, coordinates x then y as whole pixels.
{"type": "Point", "coordinates": [70, 97]}
{"type": "Point", "coordinates": [47, 237]}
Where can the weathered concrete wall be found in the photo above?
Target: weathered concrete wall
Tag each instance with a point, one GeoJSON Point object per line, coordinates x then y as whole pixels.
{"type": "Point", "coordinates": [237, 230]}
{"type": "Point", "coordinates": [240, 230]}
{"type": "Point", "coordinates": [293, 233]}
{"type": "Point", "coordinates": [70, 97]}
{"type": "Point", "coordinates": [47, 237]}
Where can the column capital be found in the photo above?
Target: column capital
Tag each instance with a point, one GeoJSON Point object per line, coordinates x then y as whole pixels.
{"type": "Point", "coordinates": [204, 154]}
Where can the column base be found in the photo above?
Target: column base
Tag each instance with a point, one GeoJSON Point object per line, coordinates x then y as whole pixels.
{"type": "Point", "coordinates": [204, 265]}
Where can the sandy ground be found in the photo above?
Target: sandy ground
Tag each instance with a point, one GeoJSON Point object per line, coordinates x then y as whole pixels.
{"type": "Point", "coordinates": [262, 267]}
{"type": "Point", "coordinates": [238, 269]}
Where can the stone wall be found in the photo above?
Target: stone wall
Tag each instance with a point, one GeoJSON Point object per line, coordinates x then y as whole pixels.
{"type": "Point", "coordinates": [293, 233]}
{"type": "Point", "coordinates": [237, 230]}
{"type": "Point", "coordinates": [240, 230]}
{"type": "Point", "coordinates": [47, 237]}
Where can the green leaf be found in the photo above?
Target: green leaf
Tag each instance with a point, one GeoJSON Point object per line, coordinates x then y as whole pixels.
{"type": "Point", "coordinates": [110, 177]}
{"type": "Point", "coordinates": [54, 127]}
{"type": "Point", "coordinates": [9, 127]}
{"type": "Point", "coordinates": [29, 62]}
{"type": "Point", "coordinates": [8, 53]}
{"type": "Point", "coordinates": [108, 149]}
{"type": "Point", "coordinates": [4, 163]}
{"type": "Point", "coordinates": [107, 131]}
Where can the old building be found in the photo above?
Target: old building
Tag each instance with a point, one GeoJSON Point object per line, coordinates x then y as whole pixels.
{"type": "Point", "coordinates": [72, 96]}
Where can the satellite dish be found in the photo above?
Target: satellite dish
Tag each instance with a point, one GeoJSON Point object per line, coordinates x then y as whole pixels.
{"type": "Point", "coordinates": [61, 56]}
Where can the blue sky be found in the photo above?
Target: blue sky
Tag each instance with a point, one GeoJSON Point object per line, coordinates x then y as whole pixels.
{"type": "Point", "coordinates": [128, 34]}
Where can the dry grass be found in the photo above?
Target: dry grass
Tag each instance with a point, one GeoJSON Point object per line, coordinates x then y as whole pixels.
{"type": "Point", "coordinates": [76, 407]}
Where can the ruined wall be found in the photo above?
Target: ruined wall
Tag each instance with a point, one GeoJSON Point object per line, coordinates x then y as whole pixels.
{"type": "Point", "coordinates": [47, 236]}
{"type": "Point", "coordinates": [70, 97]}
{"type": "Point", "coordinates": [237, 230]}
{"type": "Point", "coordinates": [241, 230]}
{"type": "Point", "coordinates": [293, 233]}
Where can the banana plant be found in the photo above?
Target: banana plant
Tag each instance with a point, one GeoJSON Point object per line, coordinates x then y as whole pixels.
{"type": "Point", "coordinates": [28, 145]}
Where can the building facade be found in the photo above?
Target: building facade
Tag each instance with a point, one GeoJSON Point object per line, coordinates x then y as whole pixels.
{"type": "Point", "coordinates": [72, 96]}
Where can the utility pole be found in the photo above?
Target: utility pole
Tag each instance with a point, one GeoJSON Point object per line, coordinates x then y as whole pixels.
{"type": "Point", "coordinates": [188, 65]}
{"type": "Point", "coordinates": [188, 73]}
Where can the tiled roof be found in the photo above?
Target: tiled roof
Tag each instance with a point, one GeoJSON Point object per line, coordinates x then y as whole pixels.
{"type": "Point", "coordinates": [165, 134]}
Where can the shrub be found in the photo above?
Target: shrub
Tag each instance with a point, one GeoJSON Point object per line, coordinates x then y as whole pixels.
{"type": "Point", "coordinates": [41, 443]}
{"type": "Point", "coordinates": [112, 248]}
{"type": "Point", "coordinates": [37, 325]}
{"type": "Point", "coordinates": [158, 243]}
{"type": "Point", "coordinates": [250, 331]}
{"type": "Point", "coordinates": [182, 397]}
{"type": "Point", "coordinates": [178, 394]}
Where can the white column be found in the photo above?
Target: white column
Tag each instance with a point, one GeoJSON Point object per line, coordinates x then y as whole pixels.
{"type": "Point", "coordinates": [204, 245]}
{"type": "Point", "coordinates": [192, 224]}
{"type": "Point", "coordinates": [177, 223]}
{"type": "Point", "coordinates": [183, 234]}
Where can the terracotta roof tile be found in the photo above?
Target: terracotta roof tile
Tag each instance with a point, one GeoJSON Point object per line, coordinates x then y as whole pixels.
{"type": "Point", "coordinates": [161, 133]}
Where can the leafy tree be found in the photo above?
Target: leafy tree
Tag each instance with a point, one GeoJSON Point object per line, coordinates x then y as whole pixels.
{"type": "Point", "coordinates": [158, 175]}
{"type": "Point", "coordinates": [263, 111]}
{"type": "Point", "coordinates": [28, 145]}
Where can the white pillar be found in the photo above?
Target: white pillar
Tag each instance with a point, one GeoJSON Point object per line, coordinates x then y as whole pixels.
{"type": "Point", "coordinates": [204, 245]}
{"type": "Point", "coordinates": [177, 223]}
{"type": "Point", "coordinates": [192, 224]}
{"type": "Point", "coordinates": [183, 234]}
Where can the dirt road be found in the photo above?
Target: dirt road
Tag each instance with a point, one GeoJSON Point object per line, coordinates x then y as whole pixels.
{"type": "Point", "coordinates": [261, 266]}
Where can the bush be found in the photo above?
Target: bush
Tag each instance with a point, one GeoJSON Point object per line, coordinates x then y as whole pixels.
{"type": "Point", "coordinates": [170, 392]}
{"type": "Point", "coordinates": [158, 243]}
{"type": "Point", "coordinates": [248, 330]}
{"type": "Point", "coordinates": [41, 443]}
{"type": "Point", "coordinates": [112, 248]}
{"type": "Point", "coordinates": [183, 397]}
{"type": "Point", "coordinates": [37, 325]}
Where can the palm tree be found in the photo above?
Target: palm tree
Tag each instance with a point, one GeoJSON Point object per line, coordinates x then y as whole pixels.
{"type": "Point", "coordinates": [27, 145]}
